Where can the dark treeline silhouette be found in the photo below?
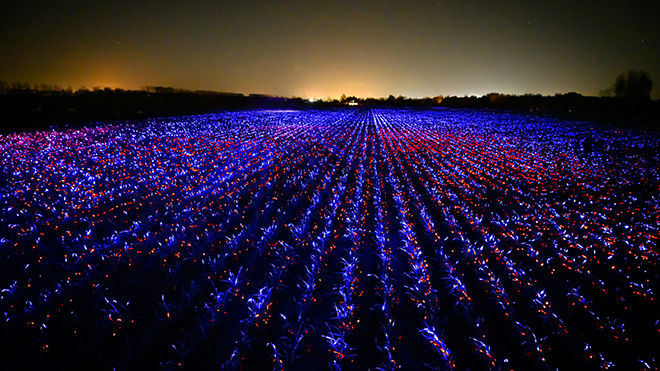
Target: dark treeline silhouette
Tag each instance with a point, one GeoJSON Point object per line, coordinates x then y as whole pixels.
{"type": "Point", "coordinates": [25, 107]}
{"type": "Point", "coordinates": [613, 110]}
{"type": "Point", "coordinates": [626, 103]}
{"type": "Point", "coordinates": [392, 101]}
{"type": "Point", "coordinates": [632, 86]}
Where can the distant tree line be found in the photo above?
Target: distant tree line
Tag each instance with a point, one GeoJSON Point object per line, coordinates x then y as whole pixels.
{"type": "Point", "coordinates": [28, 107]}
{"type": "Point", "coordinates": [25, 107]}
{"type": "Point", "coordinates": [631, 85]}
{"type": "Point", "coordinates": [22, 87]}
{"type": "Point", "coordinates": [17, 87]}
{"type": "Point", "coordinates": [48, 89]}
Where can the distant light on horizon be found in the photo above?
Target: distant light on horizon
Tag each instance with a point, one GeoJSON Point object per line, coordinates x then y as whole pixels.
{"type": "Point", "coordinates": [294, 49]}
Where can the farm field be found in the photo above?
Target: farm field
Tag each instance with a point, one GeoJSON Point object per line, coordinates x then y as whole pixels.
{"type": "Point", "coordinates": [331, 239]}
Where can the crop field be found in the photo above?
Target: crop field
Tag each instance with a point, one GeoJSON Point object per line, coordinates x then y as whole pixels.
{"type": "Point", "coordinates": [331, 239]}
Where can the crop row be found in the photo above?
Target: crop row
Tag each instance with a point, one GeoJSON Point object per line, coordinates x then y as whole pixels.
{"type": "Point", "coordinates": [348, 239]}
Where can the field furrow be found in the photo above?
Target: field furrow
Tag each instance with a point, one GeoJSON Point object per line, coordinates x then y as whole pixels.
{"type": "Point", "coordinates": [333, 239]}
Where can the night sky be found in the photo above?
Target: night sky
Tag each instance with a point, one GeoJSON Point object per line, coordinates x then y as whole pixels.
{"type": "Point", "coordinates": [315, 49]}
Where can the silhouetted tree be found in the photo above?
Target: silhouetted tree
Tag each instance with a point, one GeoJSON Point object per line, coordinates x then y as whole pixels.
{"type": "Point", "coordinates": [20, 86]}
{"type": "Point", "coordinates": [633, 85]}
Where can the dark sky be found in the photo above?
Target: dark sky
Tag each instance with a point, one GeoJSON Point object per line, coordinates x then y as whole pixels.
{"type": "Point", "coordinates": [326, 48]}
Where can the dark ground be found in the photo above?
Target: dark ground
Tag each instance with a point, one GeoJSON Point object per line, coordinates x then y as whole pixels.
{"type": "Point", "coordinates": [30, 110]}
